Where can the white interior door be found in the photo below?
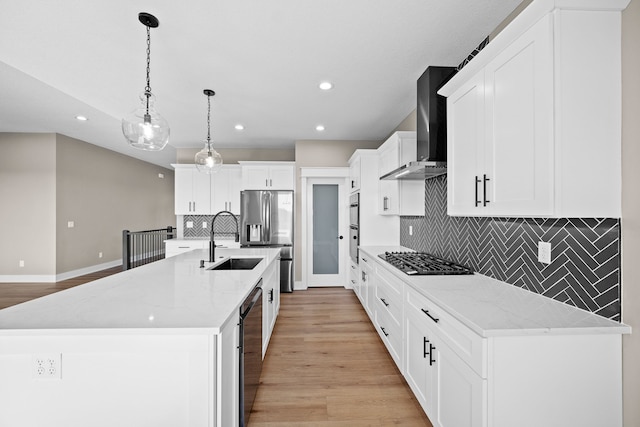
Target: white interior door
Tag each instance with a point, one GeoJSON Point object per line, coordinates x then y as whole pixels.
{"type": "Point", "coordinates": [326, 231]}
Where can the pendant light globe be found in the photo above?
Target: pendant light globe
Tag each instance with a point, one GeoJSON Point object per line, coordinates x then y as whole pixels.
{"type": "Point", "coordinates": [144, 128]}
{"type": "Point", "coordinates": [208, 160]}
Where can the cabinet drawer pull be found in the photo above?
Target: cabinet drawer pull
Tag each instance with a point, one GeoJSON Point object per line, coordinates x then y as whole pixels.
{"type": "Point", "coordinates": [353, 281]}
{"type": "Point", "coordinates": [365, 260]}
{"type": "Point", "coordinates": [435, 319]}
{"type": "Point", "coordinates": [425, 353]}
{"type": "Point", "coordinates": [364, 276]}
{"type": "Point", "coordinates": [353, 267]}
{"type": "Point", "coordinates": [385, 203]}
{"type": "Point", "coordinates": [386, 304]}
{"type": "Point", "coordinates": [484, 189]}
{"type": "Point", "coordinates": [476, 182]}
{"type": "Point", "coordinates": [270, 295]}
{"type": "Point", "coordinates": [384, 332]}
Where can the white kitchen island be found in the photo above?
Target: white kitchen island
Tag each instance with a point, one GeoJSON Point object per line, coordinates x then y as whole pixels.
{"type": "Point", "coordinates": [151, 346]}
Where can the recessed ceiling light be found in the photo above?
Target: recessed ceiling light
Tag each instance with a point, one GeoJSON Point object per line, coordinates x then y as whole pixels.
{"type": "Point", "coordinates": [319, 128]}
{"type": "Point", "coordinates": [239, 127]}
{"type": "Point", "coordinates": [82, 118]}
{"type": "Point", "coordinates": [325, 85]}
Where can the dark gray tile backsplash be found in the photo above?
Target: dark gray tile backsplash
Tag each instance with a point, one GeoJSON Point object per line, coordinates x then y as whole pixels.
{"type": "Point", "coordinates": [585, 268]}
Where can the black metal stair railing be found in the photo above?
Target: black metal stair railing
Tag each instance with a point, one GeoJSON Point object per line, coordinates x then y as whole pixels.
{"type": "Point", "coordinates": [144, 247]}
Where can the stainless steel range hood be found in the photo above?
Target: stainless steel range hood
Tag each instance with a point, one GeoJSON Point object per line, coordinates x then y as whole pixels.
{"type": "Point", "coordinates": [431, 129]}
{"type": "Point", "coordinates": [417, 170]}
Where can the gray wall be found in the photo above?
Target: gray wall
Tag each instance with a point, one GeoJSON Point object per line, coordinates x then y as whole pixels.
{"type": "Point", "coordinates": [631, 210]}
{"type": "Point", "coordinates": [28, 197]}
{"type": "Point", "coordinates": [101, 191]}
{"type": "Point", "coordinates": [105, 192]}
{"type": "Point", "coordinates": [233, 155]}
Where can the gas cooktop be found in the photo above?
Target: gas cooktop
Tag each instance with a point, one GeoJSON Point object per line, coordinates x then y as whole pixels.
{"type": "Point", "coordinates": [420, 264]}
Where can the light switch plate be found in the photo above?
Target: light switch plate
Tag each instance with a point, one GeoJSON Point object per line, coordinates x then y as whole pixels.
{"type": "Point", "coordinates": [544, 252]}
{"type": "Point", "coordinates": [189, 224]}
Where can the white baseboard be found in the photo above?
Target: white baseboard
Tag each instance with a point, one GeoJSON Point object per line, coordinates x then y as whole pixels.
{"type": "Point", "coordinates": [87, 270]}
{"type": "Point", "coordinates": [299, 286]}
{"type": "Point", "coordinates": [51, 278]}
{"type": "Point", "coordinates": [27, 278]}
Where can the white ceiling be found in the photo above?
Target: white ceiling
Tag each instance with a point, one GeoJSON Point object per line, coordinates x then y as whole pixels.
{"type": "Point", "coordinates": [264, 60]}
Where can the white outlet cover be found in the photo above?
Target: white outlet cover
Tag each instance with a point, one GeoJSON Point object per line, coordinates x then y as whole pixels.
{"type": "Point", "coordinates": [204, 224]}
{"type": "Point", "coordinates": [189, 224]}
{"type": "Point", "coordinates": [70, 224]}
{"type": "Point", "coordinates": [411, 230]}
{"type": "Point", "coordinates": [544, 252]}
{"type": "Point", "coordinates": [47, 366]}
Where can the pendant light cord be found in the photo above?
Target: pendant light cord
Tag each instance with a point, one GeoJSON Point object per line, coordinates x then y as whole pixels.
{"type": "Point", "coordinates": [209, 122]}
{"type": "Point", "coordinates": [147, 89]}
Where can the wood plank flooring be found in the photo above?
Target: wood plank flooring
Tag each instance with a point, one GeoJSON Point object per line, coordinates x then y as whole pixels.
{"type": "Point", "coordinates": [15, 293]}
{"type": "Point", "coordinates": [326, 366]}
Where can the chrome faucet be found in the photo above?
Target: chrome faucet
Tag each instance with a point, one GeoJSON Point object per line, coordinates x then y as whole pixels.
{"type": "Point", "coordinates": [212, 243]}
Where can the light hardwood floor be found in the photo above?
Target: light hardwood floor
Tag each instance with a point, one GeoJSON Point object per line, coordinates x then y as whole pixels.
{"type": "Point", "coordinates": [327, 367]}
{"type": "Point", "coordinates": [15, 293]}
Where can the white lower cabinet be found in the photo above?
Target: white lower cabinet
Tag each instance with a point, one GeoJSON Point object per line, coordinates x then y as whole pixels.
{"type": "Point", "coordinates": [555, 376]}
{"type": "Point", "coordinates": [229, 356]}
{"type": "Point", "coordinates": [270, 303]}
{"type": "Point", "coordinates": [450, 392]}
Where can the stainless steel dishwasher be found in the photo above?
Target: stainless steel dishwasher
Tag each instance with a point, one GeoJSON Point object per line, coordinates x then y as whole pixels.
{"type": "Point", "coordinates": [250, 351]}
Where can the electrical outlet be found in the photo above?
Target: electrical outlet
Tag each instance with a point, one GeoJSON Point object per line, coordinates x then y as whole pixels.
{"type": "Point", "coordinates": [161, 175]}
{"type": "Point", "coordinates": [544, 252]}
{"type": "Point", "coordinates": [411, 230]}
{"type": "Point", "coordinates": [204, 224]}
{"type": "Point", "coordinates": [70, 224]}
{"type": "Point", "coordinates": [189, 224]}
{"type": "Point", "coordinates": [99, 254]}
{"type": "Point", "coordinates": [21, 263]}
{"type": "Point", "coordinates": [47, 366]}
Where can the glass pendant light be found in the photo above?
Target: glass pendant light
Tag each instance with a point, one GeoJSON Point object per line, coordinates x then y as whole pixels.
{"type": "Point", "coordinates": [144, 128]}
{"type": "Point", "coordinates": [208, 160]}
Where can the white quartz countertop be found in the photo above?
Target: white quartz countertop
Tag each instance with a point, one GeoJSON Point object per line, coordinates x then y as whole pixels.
{"type": "Point", "coordinates": [173, 295]}
{"type": "Point", "coordinates": [494, 308]}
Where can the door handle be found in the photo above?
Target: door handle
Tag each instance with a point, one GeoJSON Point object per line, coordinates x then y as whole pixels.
{"type": "Point", "coordinates": [340, 237]}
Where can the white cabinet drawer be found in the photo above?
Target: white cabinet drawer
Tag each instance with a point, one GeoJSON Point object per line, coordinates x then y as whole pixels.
{"type": "Point", "coordinates": [390, 331]}
{"type": "Point", "coordinates": [389, 294]}
{"type": "Point", "coordinates": [468, 345]}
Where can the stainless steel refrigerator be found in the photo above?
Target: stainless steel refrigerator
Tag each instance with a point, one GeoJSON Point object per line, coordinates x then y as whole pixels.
{"type": "Point", "coordinates": [267, 221]}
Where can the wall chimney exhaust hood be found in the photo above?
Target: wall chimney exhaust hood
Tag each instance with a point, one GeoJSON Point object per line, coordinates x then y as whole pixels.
{"type": "Point", "coordinates": [431, 117]}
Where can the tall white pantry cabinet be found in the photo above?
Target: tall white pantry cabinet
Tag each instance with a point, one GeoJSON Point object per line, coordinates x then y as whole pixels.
{"type": "Point", "coordinates": [534, 120]}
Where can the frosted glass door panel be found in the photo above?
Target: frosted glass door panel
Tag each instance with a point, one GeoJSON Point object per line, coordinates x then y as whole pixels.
{"type": "Point", "coordinates": [325, 229]}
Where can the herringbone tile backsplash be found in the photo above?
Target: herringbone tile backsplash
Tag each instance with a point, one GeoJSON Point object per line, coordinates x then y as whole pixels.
{"type": "Point", "coordinates": [585, 268]}
{"type": "Point", "coordinates": [225, 227]}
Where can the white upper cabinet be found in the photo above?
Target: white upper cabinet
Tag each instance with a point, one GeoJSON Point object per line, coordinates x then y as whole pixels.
{"type": "Point", "coordinates": [355, 166]}
{"type": "Point", "coordinates": [533, 120]}
{"type": "Point", "coordinates": [192, 191]}
{"type": "Point", "coordinates": [399, 197]}
{"type": "Point", "coordinates": [268, 175]}
{"type": "Point", "coordinates": [225, 189]}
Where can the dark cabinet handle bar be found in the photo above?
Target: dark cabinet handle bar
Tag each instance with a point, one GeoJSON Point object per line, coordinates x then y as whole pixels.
{"type": "Point", "coordinates": [431, 359]}
{"type": "Point", "coordinates": [425, 353]}
{"type": "Point", "coordinates": [476, 182]}
{"type": "Point", "coordinates": [484, 189]}
{"type": "Point", "coordinates": [429, 315]}
{"type": "Point", "coordinates": [384, 332]}
{"type": "Point", "coordinates": [386, 304]}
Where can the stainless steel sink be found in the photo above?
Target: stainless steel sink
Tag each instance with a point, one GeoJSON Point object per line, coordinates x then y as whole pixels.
{"type": "Point", "coordinates": [237, 264]}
